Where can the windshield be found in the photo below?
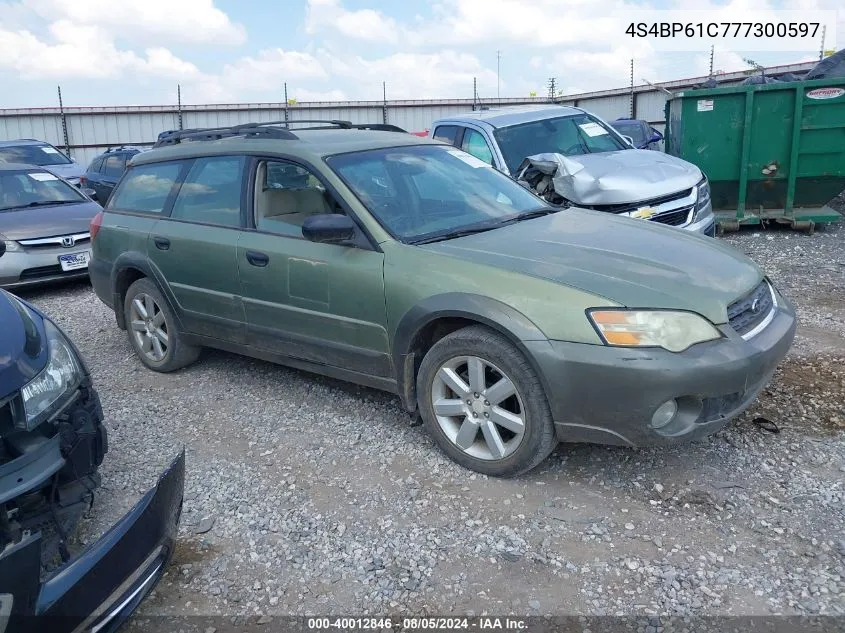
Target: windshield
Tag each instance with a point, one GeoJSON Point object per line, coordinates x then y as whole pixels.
{"type": "Point", "coordinates": [34, 188]}
{"type": "Point", "coordinates": [634, 130]}
{"type": "Point", "coordinates": [425, 191]}
{"type": "Point", "coordinates": [33, 155]}
{"type": "Point", "coordinates": [568, 135]}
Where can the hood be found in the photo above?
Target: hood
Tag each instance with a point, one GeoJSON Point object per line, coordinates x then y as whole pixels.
{"type": "Point", "coordinates": [69, 170]}
{"type": "Point", "coordinates": [630, 175]}
{"type": "Point", "coordinates": [22, 350]}
{"type": "Point", "coordinates": [630, 262]}
{"type": "Point", "coordinates": [35, 222]}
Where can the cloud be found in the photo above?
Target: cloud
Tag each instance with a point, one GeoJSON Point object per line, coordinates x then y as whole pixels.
{"type": "Point", "coordinates": [304, 94]}
{"type": "Point", "coordinates": [260, 75]}
{"type": "Point", "coordinates": [363, 24]}
{"type": "Point", "coordinates": [190, 21]}
{"type": "Point", "coordinates": [413, 75]}
{"type": "Point", "coordinates": [83, 52]}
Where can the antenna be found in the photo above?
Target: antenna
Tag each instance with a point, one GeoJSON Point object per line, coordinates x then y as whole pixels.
{"type": "Point", "coordinates": [499, 59]}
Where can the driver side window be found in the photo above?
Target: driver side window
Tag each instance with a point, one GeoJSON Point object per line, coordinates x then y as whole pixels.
{"type": "Point", "coordinates": [286, 195]}
{"type": "Point", "coordinates": [474, 143]}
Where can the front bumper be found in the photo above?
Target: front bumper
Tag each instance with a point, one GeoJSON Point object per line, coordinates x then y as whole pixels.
{"type": "Point", "coordinates": [705, 222]}
{"type": "Point", "coordinates": [99, 589]}
{"type": "Point", "coordinates": [37, 265]}
{"type": "Point", "coordinates": [607, 395]}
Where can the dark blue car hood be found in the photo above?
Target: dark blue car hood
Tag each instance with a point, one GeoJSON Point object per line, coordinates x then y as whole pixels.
{"type": "Point", "coordinates": [23, 348]}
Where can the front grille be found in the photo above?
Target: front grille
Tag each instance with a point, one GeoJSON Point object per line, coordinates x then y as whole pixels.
{"type": "Point", "coordinates": [747, 313]}
{"type": "Point", "coordinates": [672, 218]}
{"type": "Point", "coordinates": [633, 206]}
{"type": "Point", "coordinates": [81, 243]}
{"type": "Point", "coordinates": [46, 271]}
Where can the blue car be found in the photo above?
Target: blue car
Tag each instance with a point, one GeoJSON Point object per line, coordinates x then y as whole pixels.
{"type": "Point", "coordinates": [642, 135]}
{"type": "Point", "coordinates": [52, 442]}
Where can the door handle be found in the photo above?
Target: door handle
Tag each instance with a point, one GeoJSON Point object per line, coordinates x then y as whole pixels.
{"type": "Point", "coordinates": [257, 259]}
{"type": "Point", "coordinates": [162, 243]}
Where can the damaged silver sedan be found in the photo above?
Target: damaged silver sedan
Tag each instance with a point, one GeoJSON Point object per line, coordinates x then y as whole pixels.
{"type": "Point", "coordinates": [571, 157]}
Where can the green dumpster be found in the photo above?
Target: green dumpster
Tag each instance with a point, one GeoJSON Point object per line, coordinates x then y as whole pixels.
{"type": "Point", "coordinates": [771, 152]}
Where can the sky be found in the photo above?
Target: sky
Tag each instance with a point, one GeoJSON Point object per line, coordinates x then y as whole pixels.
{"type": "Point", "coordinates": [136, 52]}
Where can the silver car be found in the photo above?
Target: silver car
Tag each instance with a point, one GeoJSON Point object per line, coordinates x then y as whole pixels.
{"type": "Point", "coordinates": [29, 151]}
{"type": "Point", "coordinates": [595, 167]}
{"type": "Point", "coordinates": [44, 227]}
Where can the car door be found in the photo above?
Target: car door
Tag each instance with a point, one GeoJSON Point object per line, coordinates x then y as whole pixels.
{"type": "Point", "coordinates": [110, 173]}
{"type": "Point", "coordinates": [323, 303]}
{"type": "Point", "coordinates": [92, 176]}
{"type": "Point", "coordinates": [194, 247]}
{"type": "Point", "coordinates": [474, 143]}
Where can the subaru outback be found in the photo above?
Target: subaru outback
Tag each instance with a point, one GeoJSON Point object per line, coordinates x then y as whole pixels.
{"type": "Point", "coordinates": [407, 265]}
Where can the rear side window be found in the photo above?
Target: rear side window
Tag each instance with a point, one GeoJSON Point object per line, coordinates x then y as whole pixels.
{"type": "Point", "coordinates": [211, 193]}
{"type": "Point", "coordinates": [114, 165]}
{"type": "Point", "coordinates": [145, 188]}
{"type": "Point", "coordinates": [95, 165]}
{"type": "Point", "coordinates": [447, 134]}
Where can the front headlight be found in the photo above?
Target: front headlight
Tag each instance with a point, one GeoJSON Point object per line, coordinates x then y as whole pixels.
{"type": "Point", "coordinates": [60, 378]}
{"type": "Point", "coordinates": [673, 331]}
{"type": "Point", "coordinates": [7, 245]}
{"type": "Point", "coordinates": [703, 197]}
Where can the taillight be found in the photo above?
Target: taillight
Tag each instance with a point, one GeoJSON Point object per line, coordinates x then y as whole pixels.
{"type": "Point", "coordinates": [96, 223]}
{"type": "Point", "coordinates": [83, 180]}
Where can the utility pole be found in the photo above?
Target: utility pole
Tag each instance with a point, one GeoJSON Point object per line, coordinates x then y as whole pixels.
{"type": "Point", "coordinates": [821, 50]}
{"type": "Point", "coordinates": [633, 106]}
{"type": "Point", "coordinates": [287, 119]}
{"type": "Point", "coordinates": [552, 90]}
{"type": "Point", "coordinates": [498, 63]}
{"type": "Point", "coordinates": [64, 122]}
{"type": "Point", "coordinates": [179, 104]}
{"type": "Point", "coordinates": [384, 101]}
{"type": "Point", "coordinates": [712, 50]}
{"type": "Point", "coordinates": [474, 93]}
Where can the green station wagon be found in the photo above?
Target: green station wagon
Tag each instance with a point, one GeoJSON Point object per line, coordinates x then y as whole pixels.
{"type": "Point", "coordinates": [407, 265]}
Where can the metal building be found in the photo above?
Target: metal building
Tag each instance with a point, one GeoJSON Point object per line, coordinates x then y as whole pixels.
{"type": "Point", "coordinates": [91, 130]}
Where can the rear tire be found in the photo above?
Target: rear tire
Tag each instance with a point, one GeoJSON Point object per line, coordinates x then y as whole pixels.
{"type": "Point", "coordinates": [152, 330]}
{"type": "Point", "coordinates": [483, 403]}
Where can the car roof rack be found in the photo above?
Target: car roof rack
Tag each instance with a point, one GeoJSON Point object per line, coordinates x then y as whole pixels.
{"type": "Point", "coordinates": [384, 127]}
{"type": "Point", "coordinates": [265, 129]}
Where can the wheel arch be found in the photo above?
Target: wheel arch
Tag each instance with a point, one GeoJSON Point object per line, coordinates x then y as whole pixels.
{"type": "Point", "coordinates": [128, 268]}
{"type": "Point", "coordinates": [435, 317]}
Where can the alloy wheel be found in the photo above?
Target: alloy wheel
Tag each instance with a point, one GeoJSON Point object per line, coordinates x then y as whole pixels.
{"type": "Point", "coordinates": [478, 407]}
{"type": "Point", "coordinates": [149, 327]}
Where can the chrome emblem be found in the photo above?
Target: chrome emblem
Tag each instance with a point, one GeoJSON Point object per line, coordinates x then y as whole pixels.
{"type": "Point", "coordinates": [755, 306]}
{"type": "Point", "coordinates": [644, 213]}
{"type": "Point", "coordinates": [68, 241]}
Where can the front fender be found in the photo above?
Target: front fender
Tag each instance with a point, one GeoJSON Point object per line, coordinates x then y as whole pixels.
{"type": "Point", "coordinates": [498, 316]}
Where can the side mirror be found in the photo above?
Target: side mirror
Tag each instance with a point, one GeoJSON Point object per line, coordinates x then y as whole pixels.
{"type": "Point", "coordinates": [655, 136]}
{"type": "Point", "coordinates": [91, 193]}
{"type": "Point", "coordinates": [328, 228]}
{"type": "Point", "coordinates": [72, 159]}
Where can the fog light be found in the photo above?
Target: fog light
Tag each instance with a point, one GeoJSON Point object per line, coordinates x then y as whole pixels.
{"type": "Point", "coordinates": [664, 414]}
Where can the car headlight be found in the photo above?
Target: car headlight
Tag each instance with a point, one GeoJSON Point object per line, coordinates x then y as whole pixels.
{"type": "Point", "coordinates": [60, 378]}
{"type": "Point", "coordinates": [10, 246]}
{"type": "Point", "coordinates": [703, 197]}
{"type": "Point", "coordinates": [673, 331]}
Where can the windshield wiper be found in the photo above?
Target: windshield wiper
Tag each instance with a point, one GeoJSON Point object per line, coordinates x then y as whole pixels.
{"type": "Point", "coordinates": [525, 215]}
{"type": "Point", "coordinates": [456, 233]}
{"type": "Point", "coordinates": [528, 215]}
{"type": "Point", "coordinates": [46, 203]}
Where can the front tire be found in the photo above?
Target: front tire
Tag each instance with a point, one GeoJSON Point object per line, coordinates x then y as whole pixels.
{"type": "Point", "coordinates": [152, 329]}
{"type": "Point", "coordinates": [483, 403]}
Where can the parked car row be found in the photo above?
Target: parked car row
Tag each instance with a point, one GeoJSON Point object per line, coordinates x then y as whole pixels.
{"type": "Point", "coordinates": [424, 268]}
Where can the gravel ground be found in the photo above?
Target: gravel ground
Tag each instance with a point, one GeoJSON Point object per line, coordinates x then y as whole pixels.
{"type": "Point", "coordinates": [309, 496]}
